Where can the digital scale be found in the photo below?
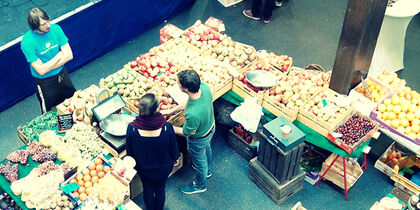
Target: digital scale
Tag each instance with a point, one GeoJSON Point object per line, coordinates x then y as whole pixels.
{"type": "Point", "coordinates": [113, 125]}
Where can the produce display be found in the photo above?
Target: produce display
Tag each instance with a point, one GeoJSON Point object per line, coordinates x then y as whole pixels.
{"type": "Point", "coordinates": [202, 36]}
{"type": "Point", "coordinates": [80, 104]}
{"type": "Point", "coordinates": [41, 191]}
{"type": "Point", "coordinates": [241, 132]}
{"type": "Point", "coordinates": [47, 121]}
{"type": "Point", "coordinates": [402, 112]}
{"type": "Point", "coordinates": [299, 86]}
{"type": "Point", "coordinates": [88, 178]}
{"type": "Point", "coordinates": [6, 202]}
{"type": "Point", "coordinates": [40, 153]}
{"type": "Point", "coordinates": [391, 79]}
{"type": "Point", "coordinates": [392, 159]}
{"type": "Point", "coordinates": [109, 190]}
{"type": "Point", "coordinates": [282, 62]}
{"type": "Point", "coordinates": [377, 91]}
{"type": "Point", "coordinates": [326, 106]}
{"type": "Point", "coordinates": [18, 156]}
{"type": "Point", "coordinates": [9, 171]}
{"type": "Point", "coordinates": [355, 129]}
{"type": "Point", "coordinates": [236, 54]}
{"type": "Point", "coordinates": [177, 53]}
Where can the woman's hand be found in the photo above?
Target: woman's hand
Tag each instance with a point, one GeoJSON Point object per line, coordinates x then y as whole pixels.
{"type": "Point", "coordinates": [176, 163]}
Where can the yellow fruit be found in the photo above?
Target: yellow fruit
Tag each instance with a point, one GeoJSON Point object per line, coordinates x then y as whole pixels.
{"type": "Point", "coordinates": [410, 116]}
{"type": "Point", "coordinates": [378, 87]}
{"type": "Point", "coordinates": [401, 94]}
{"type": "Point", "coordinates": [414, 101]}
{"type": "Point", "coordinates": [404, 107]}
{"type": "Point", "coordinates": [412, 108]}
{"type": "Point", "coordinates": [397, 109]}
{"type": "Point", "coordinates": [406, 89]}
{"type": "Point", "coordinates": [368, 82]}
{"type": "Point", "coordinates": [390, 108]}
{"type": "Point", "coordinates": [401, 129]}
{"type": "Point", "coordinates": [395, 100]}
{"type": "Point", "coordinates": [402, 115]}
{"type": "Point", "coordinates": [388, 122]}
{"type": "Point", "coordinates": [412, 135]}
{"type": "Point", "coordinates": [395, 123]}
{"type": "Point", "coordinates": [415, 128]}
{"type": "Point", "coordinates": [404, 122]}
{"type": "Point", "coordinates": [387, 101]}
{"type": "Point", "coordinates": [392, 116]}
{"type": "Point", "coordinates": [382, 108]}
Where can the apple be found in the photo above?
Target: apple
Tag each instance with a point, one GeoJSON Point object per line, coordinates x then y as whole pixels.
{"type": "Point", "coordinates": [133, 64]}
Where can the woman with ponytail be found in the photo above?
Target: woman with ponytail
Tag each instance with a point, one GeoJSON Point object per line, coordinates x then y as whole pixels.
{"type": "Point", "coordinates": [151, 141]}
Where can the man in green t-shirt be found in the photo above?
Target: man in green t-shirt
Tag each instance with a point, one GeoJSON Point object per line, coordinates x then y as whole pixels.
{"type": "Point", "coordinates": [47, 49]}
{"type": "Point", "coordinates": [199, 127]}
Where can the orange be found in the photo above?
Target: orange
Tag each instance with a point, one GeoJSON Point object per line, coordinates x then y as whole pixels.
{"type": "Point", "coordinates": [81, 190]}
{"type": "Point", "coordinates": [95, 179]}
{"type": "Point", "coordinates": [85, 171]}
{"type": "Point", "coordinates": [86, 178]}
{"type": "Point", "coordinates": [81, 183]}
{"type": "Point", "coordinates": [106, 169]}
{"type": "Point", "coordinates": [82, 196]}
{"type": "Point", "coordinates": [98, 161]}
{"type": "Point", "coordinates": [93, 173]}
{"type": "Point", "coordinates": [75, 194]}
{"type": "Point", "coordinates": [92, 166]}
{"type": "Point", "coordinates": [88, 185]}
{"type": "Point", "coordinates": [72, 180]}
{"type": "Point", "coordinates": [79, 177]}
{"type": "Point", "coordinates": [88, 190]}
{"type": "Point", "coordinates": [99, 168]}
{"type": "Point", "coordinates": [101, 174]}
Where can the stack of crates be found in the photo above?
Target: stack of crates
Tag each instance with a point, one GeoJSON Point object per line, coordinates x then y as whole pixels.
{"type": "Point", "coordinates": [275, 170]}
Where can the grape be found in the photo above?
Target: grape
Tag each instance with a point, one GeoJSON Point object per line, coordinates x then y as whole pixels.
{"type": "Point", "coordinates": [44, 154]}
{"type": "Point", "coordinates": [34, 147]}
{"type": "Point", "coordinates": [18, 156]}
{"type": "Point", "coordinates": [355, 129]}
{"type": "Point", "coordinates": [46, 167]}
{"type": "Point", "coordinates": [10, 171]}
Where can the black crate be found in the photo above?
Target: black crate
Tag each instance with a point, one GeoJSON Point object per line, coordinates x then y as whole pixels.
{"type": "Point", "coordinates": [271, 186]}
{"type": "Point", "coordinates": [283, 165]}
{"type": "Point", "coordinates": [244, 149]}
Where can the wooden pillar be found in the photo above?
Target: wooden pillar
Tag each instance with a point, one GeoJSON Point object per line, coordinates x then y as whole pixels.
{"type": "Point", "coordinates": [360, 31]}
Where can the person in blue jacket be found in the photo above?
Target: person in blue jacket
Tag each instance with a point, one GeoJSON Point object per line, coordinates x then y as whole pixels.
{"type": "Point", "coordinates": [47, 49]}
{"type": "Point", "coordinates": [151, 141]}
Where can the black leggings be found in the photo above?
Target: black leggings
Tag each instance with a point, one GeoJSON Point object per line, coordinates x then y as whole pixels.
{"type": "Point", "coordinates": [154, 192]}
{"type": "Point", "coordinates": [53, 90]}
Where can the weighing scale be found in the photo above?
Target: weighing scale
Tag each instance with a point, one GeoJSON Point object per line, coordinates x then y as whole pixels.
{"type": "Point", "coordinates": [106, 112]}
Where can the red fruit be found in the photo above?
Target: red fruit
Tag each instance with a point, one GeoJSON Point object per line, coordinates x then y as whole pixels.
{"type": "Point", "coordinates": [146, 75]}
{"type": "Point", "coordinates": [133, 64]}
{"type": "Point", "coordinates": [272, 92]}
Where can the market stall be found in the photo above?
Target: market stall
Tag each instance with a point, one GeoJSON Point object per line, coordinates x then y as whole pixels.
{"type": "Point", "coordinates": [234, 71]}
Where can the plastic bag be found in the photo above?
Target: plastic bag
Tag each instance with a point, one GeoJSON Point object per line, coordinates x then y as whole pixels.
{"type": "Point", "coordinates": [248, 114]}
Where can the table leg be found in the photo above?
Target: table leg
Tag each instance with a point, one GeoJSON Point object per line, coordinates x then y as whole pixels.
{"type": "Point", "coordinates": [345, 178]}
{"type": "Point", "coordinates": [364, 165]}
{"type": "Point", "coordinates": [327, 170]}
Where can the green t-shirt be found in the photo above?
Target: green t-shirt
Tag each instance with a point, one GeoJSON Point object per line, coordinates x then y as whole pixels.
{"type": "Point", "coordinates": [44, 47]}
{"type": "Point", "coordinates": [199, 113]}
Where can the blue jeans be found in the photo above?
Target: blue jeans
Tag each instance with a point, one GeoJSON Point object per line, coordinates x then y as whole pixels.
{"type": "Point", "coordinates": [201, 156]}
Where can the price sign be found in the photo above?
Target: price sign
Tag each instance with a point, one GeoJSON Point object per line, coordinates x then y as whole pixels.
{"type": "Point", "coordinates": [65, 122]}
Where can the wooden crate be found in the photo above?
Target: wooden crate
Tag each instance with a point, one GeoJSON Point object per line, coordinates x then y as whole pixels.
{"type": "Point", "coordinates": [351, 148]}
{"type": "Point", "coordinates": [336, 172]}
{"type": "Point", "coordinates": [241, 147]}
{"type": "Point", "coordinates": [222, 89]}
{"type": "Point", "coordinates": [282, 165]}
{"type": "Point", "coordinates": [22, 136]}
{"type": "Point", "coordinates": [270, 186]}
{"type": "Point", "coordinates": [313, 125]}
{"type": "Point", "coordinates": [178, 119]}
{"type": "Point", "coordinates": [279, 109]}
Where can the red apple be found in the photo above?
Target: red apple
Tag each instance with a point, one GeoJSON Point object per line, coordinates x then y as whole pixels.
{"type": "Point", "coordinates": [133, 64]}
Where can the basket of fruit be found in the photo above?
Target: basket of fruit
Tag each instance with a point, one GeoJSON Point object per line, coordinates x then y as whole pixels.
{"type": "Point", "coordinates": [324, 110]}
{"type": "Point", "coordinates": [281, 62]}
{"type": "Point", "coordinates": [395, 155]}
{"type": "Point", "coordinates": [400, 113]}
{"type": "Point", "coordinates": [353, 132]}
{"type": "Point", "coordinates": [202, 37]}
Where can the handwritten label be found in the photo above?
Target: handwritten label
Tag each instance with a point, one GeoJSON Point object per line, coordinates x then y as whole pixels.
{"type": "Point", "coordinates": [65, 122]}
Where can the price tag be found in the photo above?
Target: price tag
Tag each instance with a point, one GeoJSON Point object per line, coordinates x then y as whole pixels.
{"type": "Point", "coordinates": [68, 188]}
{"type": "Point", "coordinates": [64, 122]}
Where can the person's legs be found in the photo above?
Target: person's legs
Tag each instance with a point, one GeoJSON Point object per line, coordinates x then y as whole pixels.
{"type": "Point", "coordinates": [255, 11]}
{"type": "Point", "coordinates": [47, 92]}
{"type": "Point", "coordinates": [160, 193]}
{"type": "Point", "coordinates": [268, 10]}
{"type": "Point", "coordinates": [148, 192]}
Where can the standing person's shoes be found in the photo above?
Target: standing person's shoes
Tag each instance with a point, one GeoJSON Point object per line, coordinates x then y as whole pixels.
{"type": "Point", "coordinates": [191, 188]}
{"type": "Point", "coordinates": [248, 14]}
{"type": "Point", "coordinates": [279, 3]}
{"type": "Point", "coordinates": [267, 21]}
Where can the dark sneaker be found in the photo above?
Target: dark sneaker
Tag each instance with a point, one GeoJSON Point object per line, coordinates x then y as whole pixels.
{"type": "Point", "coordinates": [279, 3]}
{"type": "Point", "coordinates": [191, 188]}
{"type": "Point", "coordinates": [248, 14]}
{"type": "Point", "coordinates": [266, 21]}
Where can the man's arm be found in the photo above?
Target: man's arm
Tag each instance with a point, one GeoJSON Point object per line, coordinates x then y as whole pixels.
{"type": "Point", "coordinates": [67, 55]}
{"type": "Point", "coordinates": [43, 68]}
{"type": "Point", "coordinates": [178, 108]}
{"type": "Point", "coordinates": [178, 131]}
